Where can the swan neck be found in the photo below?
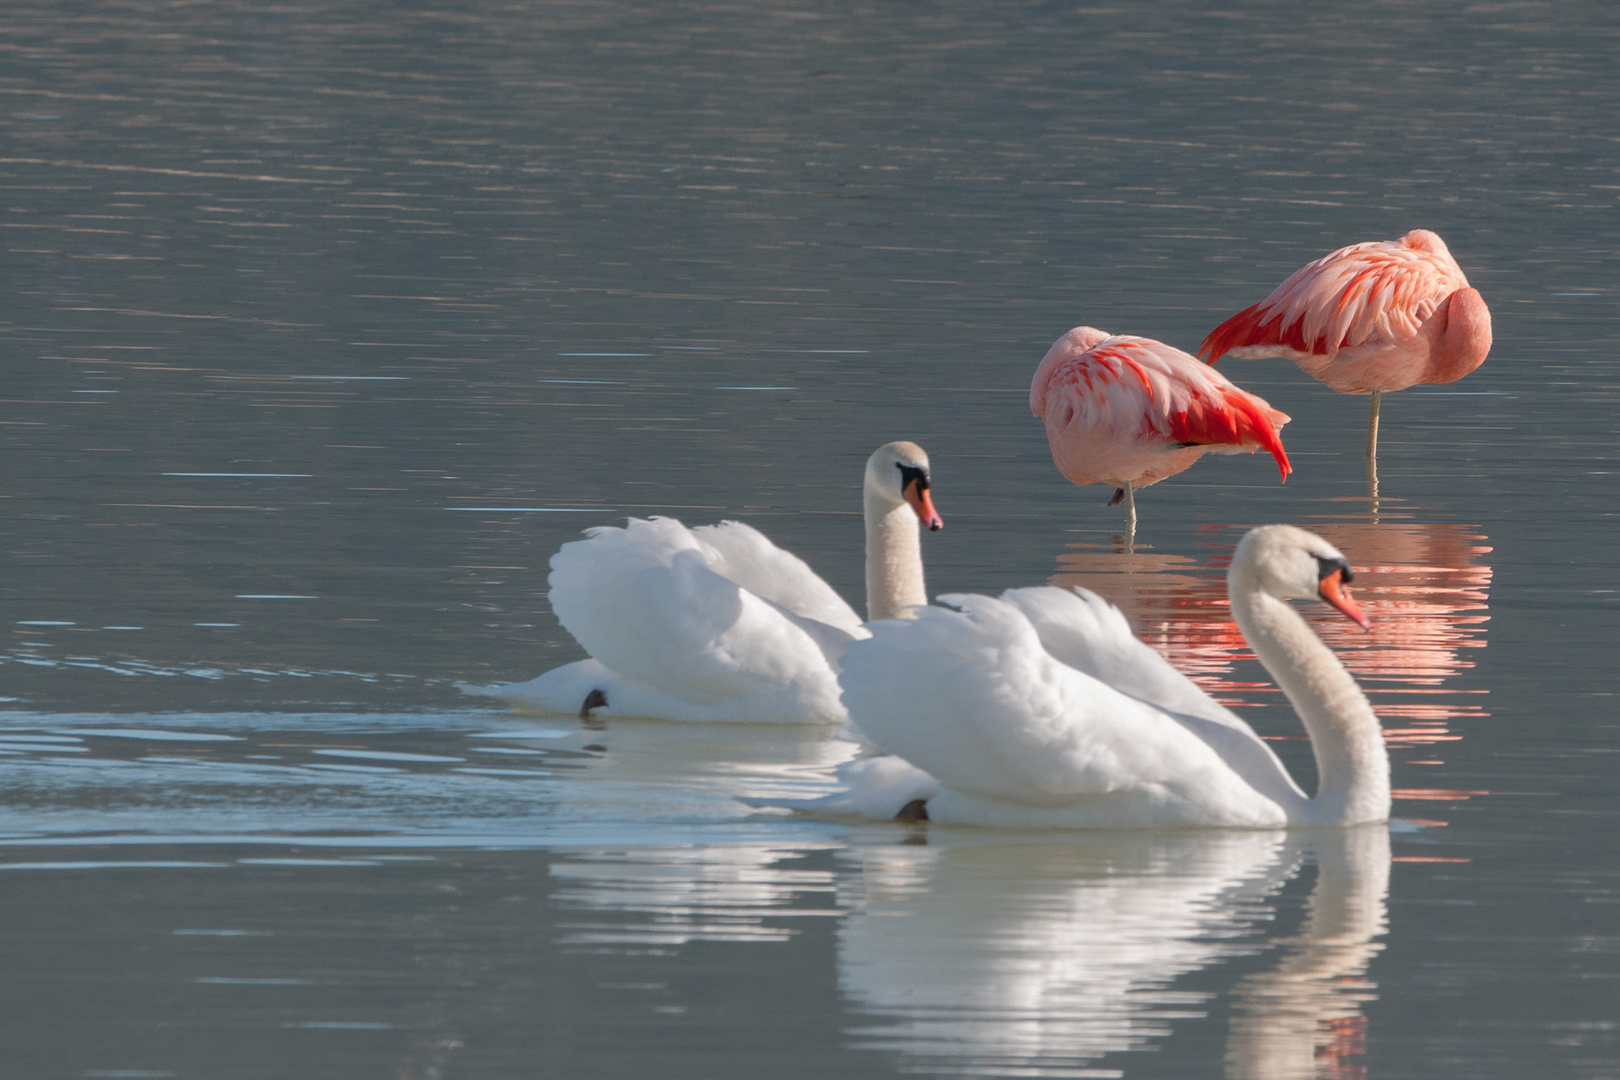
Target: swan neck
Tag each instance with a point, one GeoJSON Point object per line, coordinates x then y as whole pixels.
{"type": "Point", "coordinates": [1352, 764]}
{"type": "Point", "coordinates": [894, 571]}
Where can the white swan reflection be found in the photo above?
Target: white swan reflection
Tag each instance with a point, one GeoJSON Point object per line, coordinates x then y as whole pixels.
{"type": "Point", "coordinates": [984, 956]}
{"type": "Point", "coordinates": [1302, 1017]}
{"type": "Point", "coordinates": [660, 898]}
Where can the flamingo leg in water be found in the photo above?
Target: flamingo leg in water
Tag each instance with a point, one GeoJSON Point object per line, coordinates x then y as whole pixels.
{"type": "Point", "coordinates": [1372, 452]}
{"type": "Point", "coordinates": [1372, 428]}
{"type": "Point", "coordinates": [1130, 512]}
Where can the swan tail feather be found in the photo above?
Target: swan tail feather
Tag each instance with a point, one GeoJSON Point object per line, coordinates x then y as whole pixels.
{"type": "Point", "coordinates": [875, 789]}
{"type": "Point", "coordinates": [563, 691]}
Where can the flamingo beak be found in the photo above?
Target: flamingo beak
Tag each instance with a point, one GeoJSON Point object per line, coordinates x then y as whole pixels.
{"type": "Point", "coordinates": [1332, 588]}
{"type": "Point", "coordinates": [916, 493]}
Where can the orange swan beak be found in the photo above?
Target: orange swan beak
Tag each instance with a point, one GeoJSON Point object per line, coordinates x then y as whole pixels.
{"type": "Point", "coordinates": [917, 495]}
{"type": "Point", "coordinates": [1333, 589]}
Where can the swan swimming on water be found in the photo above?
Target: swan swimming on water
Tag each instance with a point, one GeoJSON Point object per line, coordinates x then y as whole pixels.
{"type": "Point", "coordinates": [717, 622]}
{"type": "Point", "coordinates": [1041, 709]}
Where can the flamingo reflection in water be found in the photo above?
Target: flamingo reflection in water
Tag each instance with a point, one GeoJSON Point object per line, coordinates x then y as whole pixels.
{"type": "Point", "coordinates": [1038, 958]}
{"type": "Point", "coordinates": [1425, 586]}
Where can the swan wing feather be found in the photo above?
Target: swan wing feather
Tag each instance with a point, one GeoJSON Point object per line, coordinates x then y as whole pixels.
{"type": "Point", "coordinates": [833, 641]}
{"type": "Point", "coordinates": [1003, 720]}
{"type": "Point", "coordinates": [746, 556]}
{"type": "Point", "coordinates": [1086, 632]}
{"type": "Point", "coordinates": [644, 602]}
{"type": "Point", "coordinates": [873, 787]}
{"type": "Point", "coordinates": [1082, 630]}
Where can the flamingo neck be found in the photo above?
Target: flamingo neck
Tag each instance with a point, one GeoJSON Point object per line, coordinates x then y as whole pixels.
{"type": "Point", "coordinates": [1352, 765]}
{"type": "Point", "coordinates": [894, 570]}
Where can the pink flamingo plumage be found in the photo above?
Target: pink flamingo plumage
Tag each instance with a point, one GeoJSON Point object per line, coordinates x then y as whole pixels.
{"type": "Point", "coordinates": [1368, 318]}
{"type": "Point", "coordinates": [1130, 411]}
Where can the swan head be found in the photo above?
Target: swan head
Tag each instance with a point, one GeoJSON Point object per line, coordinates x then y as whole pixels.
{"type": "Point", "coordinates": [897, 472]}
{"type": "Point", "coordinates": [1292, 564]}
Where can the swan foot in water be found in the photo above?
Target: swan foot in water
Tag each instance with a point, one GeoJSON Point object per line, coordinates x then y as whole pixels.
{"type": "Point", "coordinates": [593, 700]}
{"type": "Point", "coordinates": [914, 811]}
{"type": "Point", "coordinates": [1119, 497]}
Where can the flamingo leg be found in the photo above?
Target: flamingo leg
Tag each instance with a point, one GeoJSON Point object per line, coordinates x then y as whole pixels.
{"type": "Point", "coordinates": [1130, 512]}
{"type": "Point", "coordinates": [1372, 453]}
{"type": "Point", "coordinates": [1372, 484]}
{"type": "Point", "coordinates": [1372, 429]}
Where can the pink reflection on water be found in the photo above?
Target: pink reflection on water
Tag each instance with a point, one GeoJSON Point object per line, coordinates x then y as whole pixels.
{"type": "Point", "coordinates": [1424, 585]}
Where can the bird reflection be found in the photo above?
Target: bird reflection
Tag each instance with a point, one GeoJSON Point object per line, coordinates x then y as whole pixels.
{"type": "Point", "coordinates": [1302, 1017]}
{"type": "Point", "coordinates": [1425, 585]}
{"type": "Point", "coordinates": [1037, 958]}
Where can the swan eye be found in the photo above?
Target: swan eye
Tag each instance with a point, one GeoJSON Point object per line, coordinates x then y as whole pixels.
{"type": "Point", "coordinates": [1328, 567]}
{"type": "Point", "coordinates": [908, 473]}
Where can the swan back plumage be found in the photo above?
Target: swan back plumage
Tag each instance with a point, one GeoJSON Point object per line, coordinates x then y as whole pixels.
{"type": "Point", "coordinates": [717, 622]}
{"type": "Point", "coordinates": [743, 554]}
{"type": "Point", "coordinates": [1081, 629]}
{"type": "Point", "coordinates": [1041, 709]}
{"type": "Point", "coordinates": [1017, 737]}
{"type": "Point", "coordinates": [655, 603]}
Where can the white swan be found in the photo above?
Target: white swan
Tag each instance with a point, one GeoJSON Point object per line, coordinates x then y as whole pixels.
{"type": "Point", "coordinates": [718, 623]}
{"type": "Point", "coordinates": [1041, 709]}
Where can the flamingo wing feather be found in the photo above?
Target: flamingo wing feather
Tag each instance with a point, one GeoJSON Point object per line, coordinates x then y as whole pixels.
{"type": "Point", "coordinates": [1381, 290]}
{"type": "Point", "coordinates": [1191, 407]}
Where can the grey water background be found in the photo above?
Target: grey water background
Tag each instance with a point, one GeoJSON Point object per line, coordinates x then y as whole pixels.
{"type": "Point", "coordinates": [326, 324]}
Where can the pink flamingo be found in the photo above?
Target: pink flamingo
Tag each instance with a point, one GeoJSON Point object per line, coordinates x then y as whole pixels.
{"type": "Point", "coordinates": [1368, 318]}
{"type": "Point", "coordinates": [1130, 411]}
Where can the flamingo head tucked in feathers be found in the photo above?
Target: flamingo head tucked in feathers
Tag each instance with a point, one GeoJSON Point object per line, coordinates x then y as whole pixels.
{"type": "Point", "coordinates": [898, 473]}
{"type": "Point", "coordinates": [1292, 564]}
{"type": "Point", "coordinates": [1079, 340]}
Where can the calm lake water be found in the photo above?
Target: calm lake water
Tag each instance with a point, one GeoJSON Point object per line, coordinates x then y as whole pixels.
{"type": "Point", "coordinates": [326, 324]}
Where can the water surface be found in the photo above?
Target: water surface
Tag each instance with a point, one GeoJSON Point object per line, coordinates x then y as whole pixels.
{"type": "Point", "coordinates": [327, 324]}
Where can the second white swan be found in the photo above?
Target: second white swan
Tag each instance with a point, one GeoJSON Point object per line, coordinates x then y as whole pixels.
{"type": "Point", "coordinates": [717, 622]}
{"type": "Point", "coordinates": [1042, 709]}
